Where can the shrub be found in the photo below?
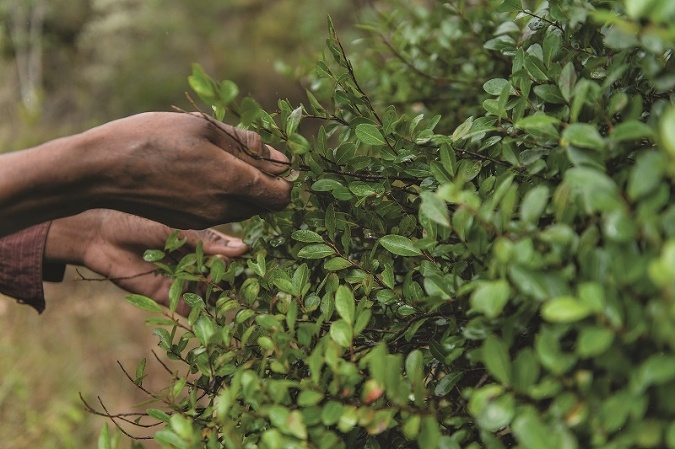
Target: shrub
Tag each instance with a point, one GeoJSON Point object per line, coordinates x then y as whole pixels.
{"type": "Point", "coordinates": [480, 249]}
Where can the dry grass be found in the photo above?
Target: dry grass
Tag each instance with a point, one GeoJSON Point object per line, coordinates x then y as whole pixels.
{"type": "Point", "coordinates": [47, 360]}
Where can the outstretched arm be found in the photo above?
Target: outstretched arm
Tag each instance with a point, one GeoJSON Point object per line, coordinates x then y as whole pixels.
{"type": "Point", "coordinates": [178, 169]}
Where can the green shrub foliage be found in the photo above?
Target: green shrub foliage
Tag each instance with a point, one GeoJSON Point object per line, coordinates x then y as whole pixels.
{"type": "Point", "coordinates": [480, 249]}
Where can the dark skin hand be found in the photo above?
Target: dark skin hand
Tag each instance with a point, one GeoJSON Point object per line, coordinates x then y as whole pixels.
{"type": "Point", "coordinates": [112, 244]}
{"type": "Point", "coordinates": [179, 169]}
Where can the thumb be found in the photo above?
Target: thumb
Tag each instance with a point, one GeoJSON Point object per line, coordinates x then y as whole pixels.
{"type": "Point", "coordinates": [216, 243]}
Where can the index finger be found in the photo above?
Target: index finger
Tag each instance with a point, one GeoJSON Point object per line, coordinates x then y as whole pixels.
{"type": "Point", "coordinates": [249, 147]}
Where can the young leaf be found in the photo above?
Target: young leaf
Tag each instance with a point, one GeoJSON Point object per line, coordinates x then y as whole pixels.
{"type": "Point", "coordinates": [293, 120]}
{"type": "Point", "coordinates": [153, 255]}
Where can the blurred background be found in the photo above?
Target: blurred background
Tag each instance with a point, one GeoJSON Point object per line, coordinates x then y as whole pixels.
{"type": "Point", "coordinates": [68, 65]}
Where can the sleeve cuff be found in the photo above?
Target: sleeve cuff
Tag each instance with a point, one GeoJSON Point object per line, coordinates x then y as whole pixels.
{"type": "Point", "coordinates": [22, 268]}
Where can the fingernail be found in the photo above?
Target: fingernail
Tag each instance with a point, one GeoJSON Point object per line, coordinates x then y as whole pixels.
{"type": "Point", "coordinates": [236, 243]}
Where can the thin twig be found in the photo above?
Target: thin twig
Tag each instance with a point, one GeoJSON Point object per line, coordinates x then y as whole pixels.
{"type": "Point", "coordinates": [113, 418]}
{"type": "Point", "coordinates": [115, 279]}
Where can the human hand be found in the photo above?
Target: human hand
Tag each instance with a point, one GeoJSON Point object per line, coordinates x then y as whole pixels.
{"type": "Point", "coordinates": [186, 171]}
{"type": "Point", "coordinates": [112, 244]}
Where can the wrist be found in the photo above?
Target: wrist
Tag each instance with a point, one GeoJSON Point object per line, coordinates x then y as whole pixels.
{"type": "Point", "coordinates": [69, 237]}
{"type": "Point", "coordinates": [52, 180]}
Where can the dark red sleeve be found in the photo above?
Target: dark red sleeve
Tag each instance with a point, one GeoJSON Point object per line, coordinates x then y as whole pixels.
{"type": "Point", "coordinates": [22, 269]}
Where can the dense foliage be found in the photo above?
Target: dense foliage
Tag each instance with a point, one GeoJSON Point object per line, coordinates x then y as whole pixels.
{"type": "Point", "coordinates": [480, 250]}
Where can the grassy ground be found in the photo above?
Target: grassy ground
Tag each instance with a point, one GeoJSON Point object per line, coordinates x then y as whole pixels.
{"type": "Point", "coordinates": [47, 360]}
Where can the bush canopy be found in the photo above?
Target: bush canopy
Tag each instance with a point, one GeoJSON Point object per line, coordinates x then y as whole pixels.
{"type": "Point", "coordinates": [480, 249]}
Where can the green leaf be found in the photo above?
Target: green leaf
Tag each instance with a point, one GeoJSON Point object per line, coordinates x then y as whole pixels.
{"type": "Point", "coordinates": [204, 328]}
{"type": "Point", "coordinates": [667, 130]}
{"type": "Point", "coordinates": [496, 85]}
{"type": "Point", "coordinates": [534, 203]}
{"type": "Point", "coordinates": [510, 6]}
{"type": "Point", "coordinates": [535, 67]}
{"type": "Point", "coordinates": [326, 185]}
{"type": "Point", "coordinates": [169, 438]}
{"type": "Point", "coordinates": [309, 398]}
{"type": "Point", "coordinates": [598, 191]}
{"type": "Point", "coordinates": [243, 315]}
{"type": "Point", "coordinates": [447, 383]}
{"type": "Point", "coordinates": [399, 245]}
{"type": "Point", "coordinates": [267, 321]}
{"type": "Point", "coordinates": [618, 226]}
{"type": "Point", "coordinates": [531, 432]}
{"type": "Point", "coordinates": [583, 135]}
{"type": "Point", "coordinates": [140, 371]}
{"type": "Point", "coordinates": [490, 298]}
{"type": "Point", "coordinates": [434, 208]}
{"type": "Point", "coordinates": [538, 120]}
{"type": "Point", "coordinates": [414, 367]}
{"type": "Point", "coordinates": [201, 83]}
{"type": "Point", "coordinates": [438, 286]}
{"type": "Point", "coordinates": [615, 410]}
{"type": "Point", "coordinates": [345, 304]}
{"type": "Point", "coordinates": [646, 174]}
{"type": "Point", "coordinates": [658, 369]}
{"type": "Point", "coordinates": [364, 189]}
{"type": "Point", "coordinates": [306, 236]}
{"type": "Point", "coordinates": [143, 303]}
{"type": "Point", "coordinates": [293, 120]}
{"type": "Point", "coordinates": [296, 425]}
{"type": "Point", "coordinates": [497, 413]}
{"type": "Point", "coordinates": [336, 264]}
{"type": "Point", "coordinates": [526, 370]}
{"type": "Point", "coordinates": [153, 255]}
{"type": "Point", "coordinates": [497, 360]}
{"type": "Point", "coordinates": [631, 130]}
{"type": "Point", "coordinates": [104, 438]}
{"type": "Point", "coordinates": [193, 300]}
{"type": "Point", "coordinates": [430, 433]}
{"type": "Point", "coordinates": [331, 412]}
{"type": "Point", "coordinates": [227, 91]}
{"type": "Point", "coordinates": [565, 309]}
{"type": "Point", "coordinates": [182, 426]}
{"type": "Point", "coordinates": [369, 134]}
{"type": "Point", "coordinates": [318, 251]}
{"type": "Point", "coordinates": [341, 333]}
{"type": "Point", "coordinates": [158, 414]}
{"type": "Point", "coordinates": [567, 81]}
{"type": "Point", "coordinates": [594, 341]}
{"type": "Point", "coordinates": [549, 93]}
{"type": "Point", "coordinates": [462, 131]}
